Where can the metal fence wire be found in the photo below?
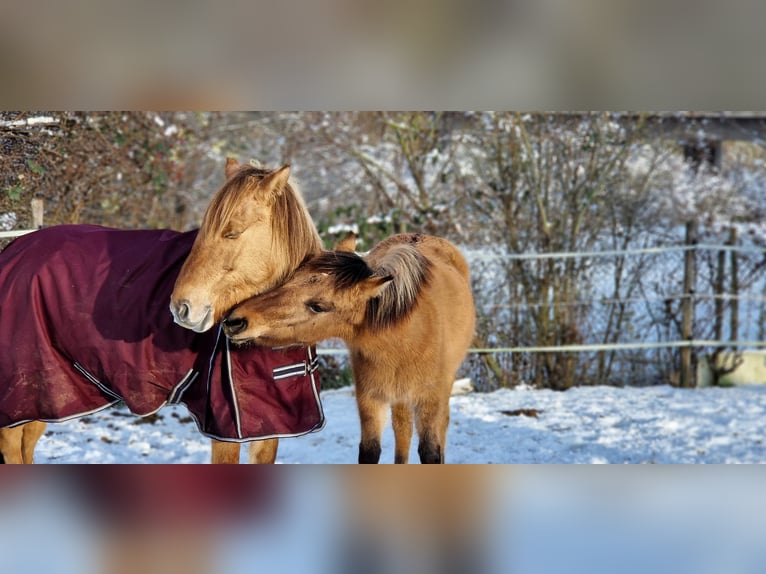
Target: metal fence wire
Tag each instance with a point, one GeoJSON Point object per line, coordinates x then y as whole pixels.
{"type": "Point", "coordinates": [613, 317]}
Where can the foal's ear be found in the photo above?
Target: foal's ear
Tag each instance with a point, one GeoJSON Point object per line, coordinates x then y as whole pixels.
{"type": "Point", "coordinates": [232, 165]}
{"type": "Point", "coordinates": [347, 244]}
{"type": "Point", "coordinates": [373, 286]}
{"type": "Point", "coordinates": [274, 182]}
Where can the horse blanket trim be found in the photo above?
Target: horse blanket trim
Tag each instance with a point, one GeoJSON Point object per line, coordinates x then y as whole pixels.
{"type": "Point", "coordinates": [175, 397]}
{"type": "Point", "coordinates": [86, 310]}
{"type": "Point", "coordinates": [302, 369]}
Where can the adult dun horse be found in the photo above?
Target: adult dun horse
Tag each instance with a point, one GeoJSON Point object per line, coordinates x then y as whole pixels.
{"type": "Point", "coordinates": [86, 310]}
{"type": "Point", "coordinates": [255, 232]}
{"type": "Point", "coordinates": [407, 315]}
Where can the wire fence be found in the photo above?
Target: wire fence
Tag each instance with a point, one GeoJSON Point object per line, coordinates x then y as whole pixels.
{"type": "Point", "coordinates": [606, 317]}
{"type": "Point", "coordinates": [620, 317]}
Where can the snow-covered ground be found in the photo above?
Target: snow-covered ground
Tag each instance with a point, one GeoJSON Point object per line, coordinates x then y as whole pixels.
{"type": "Point", "coordinates": [583, 425]}
{"type": "Point", "coordinates": [534, 519]}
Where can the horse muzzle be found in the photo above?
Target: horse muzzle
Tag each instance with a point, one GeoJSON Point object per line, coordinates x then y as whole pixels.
{"type": "Point", "coordinates": [186, 316]}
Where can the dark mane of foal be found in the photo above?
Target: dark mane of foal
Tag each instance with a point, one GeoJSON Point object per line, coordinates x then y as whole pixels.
{"type": "Point", "coordinates": [409, 269]}
{"type": "Point", "coordinates": [347, 268]}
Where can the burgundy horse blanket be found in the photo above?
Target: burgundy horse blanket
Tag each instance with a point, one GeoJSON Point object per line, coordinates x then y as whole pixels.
{"type": "Point", "coordinates": [85, 323]}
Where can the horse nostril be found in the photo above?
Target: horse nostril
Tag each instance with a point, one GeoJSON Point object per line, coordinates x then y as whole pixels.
{"type": "Point", "coordinates": [234, 325]}
{"type": "Point", "coordinates": [182, 310]}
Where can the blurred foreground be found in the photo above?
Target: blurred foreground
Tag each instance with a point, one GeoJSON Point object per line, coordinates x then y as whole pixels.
{"type": "Point", "coordinates": [380, 520]}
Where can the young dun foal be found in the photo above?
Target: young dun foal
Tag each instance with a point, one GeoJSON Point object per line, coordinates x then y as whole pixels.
{"type": "Point", "coordinates": [407, 315]}
{"type": "Point", "coordinates": [255, 232]}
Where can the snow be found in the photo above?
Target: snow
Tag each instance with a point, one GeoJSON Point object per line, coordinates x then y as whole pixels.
{"type": "Point", "coordinates": [343, 228]}
{"type": "Point", "coordinates": [534, 519]}
{"type": "Point", "coordinates": [8, 220]}
{"type": "Point", "coordinates": [659, 424]}
{"type": "Point", "coordinates": [34, 121]}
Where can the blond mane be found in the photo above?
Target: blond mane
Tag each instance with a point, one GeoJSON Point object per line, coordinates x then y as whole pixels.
{"type": "Point", "coordinates": [290, 217]}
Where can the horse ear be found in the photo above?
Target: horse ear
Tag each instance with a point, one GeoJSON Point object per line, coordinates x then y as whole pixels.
{"type": "Point", "coordinates": [274, 182]}
{"type": "Point", "coordinates": [372, 286]}
{"type": "Point", "coordinates": [232, 165]}
{"type": "Point", "coordinates": [347, 244]}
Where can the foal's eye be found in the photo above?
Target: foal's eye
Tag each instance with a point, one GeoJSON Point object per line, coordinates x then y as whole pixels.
{"type": "Point", "coordinates": [232, 234]}
{"type": "Point", "coordinates": [316, 307]}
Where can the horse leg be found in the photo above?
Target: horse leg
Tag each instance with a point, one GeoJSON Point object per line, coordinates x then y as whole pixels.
{"type": "Point", "coordinates": [259, 452]}
{"type": "Point", "coordinates": [224, 452]}
{"type": "Point", "coordinates": [263, 451]}
{"type": "Point", "coordinates": [442, 429]}
{"type": "Point", "coordinates": [432, 417]}
{"type": "Point", "coordinates": [11, 440]}
{"type": "Point", "coordinates": [32, 433]}
{"type": "Point", "coordinates": [401, 418]}
{"type": "Point", "coordinates": [442, 421]}
{"type": "Point", "coordinates": [372, 415]}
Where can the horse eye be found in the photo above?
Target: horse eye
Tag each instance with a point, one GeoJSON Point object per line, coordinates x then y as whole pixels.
{"type": "Point", "coordinates": [316, 307]}
{"type": "Point", "coordinates": [232, 234]}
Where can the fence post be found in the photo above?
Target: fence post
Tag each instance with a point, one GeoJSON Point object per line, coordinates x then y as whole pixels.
{"type": "Point", "coordinates": [719, 289]}
{"type": "Point", "coordinates": [734, 302]}
{"type": "Point", "coordinates": [686, 375]}
{"type": "Point", "coordinates": [37, 213]}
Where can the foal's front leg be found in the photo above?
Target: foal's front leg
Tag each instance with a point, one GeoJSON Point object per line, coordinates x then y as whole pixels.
{"type": "Point", "coordinates": [372, 415]}
{"type": "Point", "coordinates": [401, 418]}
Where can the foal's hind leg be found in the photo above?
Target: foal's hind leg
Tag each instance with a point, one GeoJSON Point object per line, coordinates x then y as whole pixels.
{"type": "Point", "coordinates": [372, 415]}
{"type": "Point", "coordinates": [401, 418]}
{"type": "Point", "coordinates": [432, 416]}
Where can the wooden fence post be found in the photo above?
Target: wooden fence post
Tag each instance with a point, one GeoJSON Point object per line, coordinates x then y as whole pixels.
{"type": "Point", "coordinates": [37, 213]}
{"type": "Point", "coordinates": [686, 375]}
{"type": "Point", "coordinates": [734, 301]}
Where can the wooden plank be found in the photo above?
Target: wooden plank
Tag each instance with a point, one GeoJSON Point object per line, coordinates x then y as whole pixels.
{"type": "Point", "coordinates": [37, 213]}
